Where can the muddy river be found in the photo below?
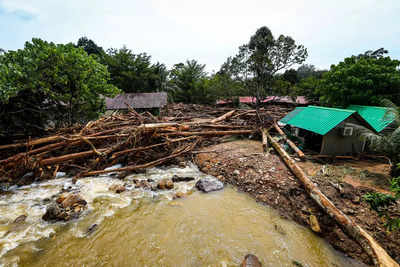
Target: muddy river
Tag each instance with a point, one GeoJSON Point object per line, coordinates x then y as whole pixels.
{"type": "Point", "coordinates": [146, 228]}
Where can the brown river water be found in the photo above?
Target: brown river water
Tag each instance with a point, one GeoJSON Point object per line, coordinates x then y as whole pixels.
{"type": "Point", "coordinates": [145, 228]}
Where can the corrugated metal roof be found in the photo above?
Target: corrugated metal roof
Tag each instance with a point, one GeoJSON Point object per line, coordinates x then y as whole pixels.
{"type": "Point", "coordinates": [319, 120]}
{"type": "Point", "coordinates": [378, 117]}
{"type": "Point", "coordinates": [139, 100]}
{"type": "Point", "coordinates": [292, 114]}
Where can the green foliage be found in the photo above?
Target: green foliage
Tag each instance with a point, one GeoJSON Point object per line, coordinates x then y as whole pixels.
{"type": "Point", "coordinates": [188, 83]}
{"type": "Point", "coordinates": [365, 79]}
{"type": "Point", "coordinates": [90, 46]}
{"type": "Point", "coordinates": [379, 200]}
{"type": "Point", "coordinates": [134, 73]}
{"type": "Point", "coordinates": [49, 82]}
{"type": "Point", "coordinates": [258, 61]}
{"type": "Point", "coordinates": [291, 76]}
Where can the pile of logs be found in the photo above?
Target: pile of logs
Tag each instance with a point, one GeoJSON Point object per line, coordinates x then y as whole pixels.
{"type": "Point", "coordinates": [134, 140]}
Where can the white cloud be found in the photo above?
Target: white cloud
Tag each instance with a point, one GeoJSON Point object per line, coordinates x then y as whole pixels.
{"type": "Point", "coordinates": [209, 31]}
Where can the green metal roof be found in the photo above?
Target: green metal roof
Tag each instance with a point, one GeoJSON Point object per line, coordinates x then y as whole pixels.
{"type": "Point", "coordinates": [319, 120]}
{"type": "Point", "coordinates": [377, 117]}
{"type": "Point", "coordinates": [292, 114]}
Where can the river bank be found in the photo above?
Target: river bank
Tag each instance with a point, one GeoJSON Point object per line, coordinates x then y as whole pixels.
{"type": "Point", "coordinates": [267, 179]}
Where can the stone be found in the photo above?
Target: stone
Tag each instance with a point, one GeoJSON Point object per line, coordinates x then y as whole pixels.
{"type": "Point", "coordinates": [251, 260]}
{"type": "Point", "coordinates": [209, 184]}
{"type": "Point", "coordinates": [180, 195]}
{"type": "Point", "coordinates": [117, 188]}
{"type": "Point", "coordinates": [236, 172]}
{"type": "Point", "coordinates": [177, 179]}
{"type": "Point", "coordinates": [356, 200]}
{"type": "Point", "coordinates": [143, 184]}
{"type": "Point", "coordinates": [54, 213]}
{"type": "Point", "coordinates": [314, 224]}
{"type": "Point", "coordinates": [72, 199]}
{"type": "Point", "coordinates": [165, 184]}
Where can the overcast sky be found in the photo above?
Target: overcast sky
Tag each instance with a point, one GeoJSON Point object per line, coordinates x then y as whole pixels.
{"type": "Point", "coordinates": [172, 31]}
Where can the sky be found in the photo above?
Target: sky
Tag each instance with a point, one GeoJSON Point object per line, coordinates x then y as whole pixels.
{"type": "Point", "coordinates": [173, 31]}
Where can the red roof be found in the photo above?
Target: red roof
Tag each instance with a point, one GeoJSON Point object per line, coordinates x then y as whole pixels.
{"type": "Point", "coordinates": [273, 99]}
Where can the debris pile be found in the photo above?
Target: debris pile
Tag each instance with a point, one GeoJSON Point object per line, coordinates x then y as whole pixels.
{"type": "Point", "coordinates": [136, 141]}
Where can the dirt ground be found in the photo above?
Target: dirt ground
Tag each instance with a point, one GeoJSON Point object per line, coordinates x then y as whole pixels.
{"type": "Point", "coordinates": [265, 177]}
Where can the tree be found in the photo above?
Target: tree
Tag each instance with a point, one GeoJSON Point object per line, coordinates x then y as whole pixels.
{"type": "Point", "coordinates": [263, 57]}
{"type": "Point", "coordinates": [47, 82]}
{"type": "Point", "coordinates": [365, 79]}
{"type": "Point", "coordinates": [90, 46]}
{"type": "Point", "coordinates": [134, 73]}
{"type": "Point", "coordinates": [187, 83]}
{"type": "Point", "coordinates": [291, 76]}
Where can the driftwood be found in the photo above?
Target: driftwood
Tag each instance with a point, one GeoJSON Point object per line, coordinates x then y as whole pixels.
{"type": "Point", "coordinates": [211, 133]}
{"type": "Point", "coordinates": [370, 246]}
{"type": "Point", "coordinates": [32, 142]}
{"type": "Point", "coordinates": [223, 117]}
{"type": "Point", "coordinates": [290, 143]}
{"type": "Point", "coordinates": [264, 139]}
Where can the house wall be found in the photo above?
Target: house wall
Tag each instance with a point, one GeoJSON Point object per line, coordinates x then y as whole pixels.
{"type": "Point", "coordinates": [333, 143]}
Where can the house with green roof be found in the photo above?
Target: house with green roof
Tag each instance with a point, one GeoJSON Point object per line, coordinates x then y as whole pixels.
{"type": "Point", "coordinates": [331, 131]}
{"type": "Point", "coordinates": [380, 118]}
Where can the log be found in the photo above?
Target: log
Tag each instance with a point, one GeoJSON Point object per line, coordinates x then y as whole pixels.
{"type": "Point", "coordinates": [68, 157]}
{"type": "Point", "coordinates": [33, 142]}
{"type": "Point", "coordinates": [233, 132]}
{"type": "Point", "coordinates": [370, 246]}
{"type": "Point", "coordinates": [291, 144]}
{"type": "Point", "coordinates": [223, 117]}
{"type": "Point", "coordinates": [264, 139]}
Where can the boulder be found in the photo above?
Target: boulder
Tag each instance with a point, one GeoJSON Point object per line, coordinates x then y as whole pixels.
{"type": "Point", "coordinates": [66, 207]}
{"type": "Point", "coordinates": [72, 200]}
{"type": "Point", "coordinates": [208, 184]}
{"type": "Point", "coordinates": [117, 188]}
{"type": "Point", "coordinates": [54, 213]}
{"type": "Point", "coordinates": [143, 184]}
{"type": "Point", "coordinates": [251, 261]}
{"type": "Point", "coordinates": [177, 179]}
{"type": "Point", "coordinates": [165, 184]}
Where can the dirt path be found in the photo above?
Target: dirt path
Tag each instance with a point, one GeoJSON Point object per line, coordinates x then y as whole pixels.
{"type": "Point", "coordinates": [268, 180]}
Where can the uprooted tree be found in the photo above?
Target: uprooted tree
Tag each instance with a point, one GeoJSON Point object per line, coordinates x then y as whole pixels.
{"type": "Point", "coordinates": [47, 83]}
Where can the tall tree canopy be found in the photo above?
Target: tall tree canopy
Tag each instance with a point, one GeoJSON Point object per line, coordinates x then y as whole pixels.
{"type": "Point", "coordinates": [134, 73]}
{"type": "Point", "coordinates": [263, 57]}
{"type": "Point", "coordinates": [187, 82]}
{"type": "Point", "coordinates": [90, 46]}
{"type": "Point", "coordinates": [365, 79]}
{"type": "Point", "coordinates": [49, 82]}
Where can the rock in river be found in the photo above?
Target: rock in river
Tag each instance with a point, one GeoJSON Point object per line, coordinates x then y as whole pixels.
{"type": "Point", "coordinates": [117, 188]}
{"type": "Point", "coordinates": [251, 261]}
{"type": "Point", "coordinates": [165, 184]}
{"type": "Point", "coordinates": [66, 207]}
{"type": "Point", "coordinates": [208, 184]}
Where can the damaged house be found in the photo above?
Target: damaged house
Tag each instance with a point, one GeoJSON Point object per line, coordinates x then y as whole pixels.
{"type": "Point", "coordinates": [331, 131]}
{"type": "Point", "coordinates": [138, 101]}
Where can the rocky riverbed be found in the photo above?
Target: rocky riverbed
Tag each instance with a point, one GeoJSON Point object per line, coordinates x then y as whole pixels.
{"type": "Point", "coordinates": [159, 216]}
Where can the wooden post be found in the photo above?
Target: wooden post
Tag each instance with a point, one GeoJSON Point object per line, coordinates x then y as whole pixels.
{"type": "Point", "coordinates": [291, 144]}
